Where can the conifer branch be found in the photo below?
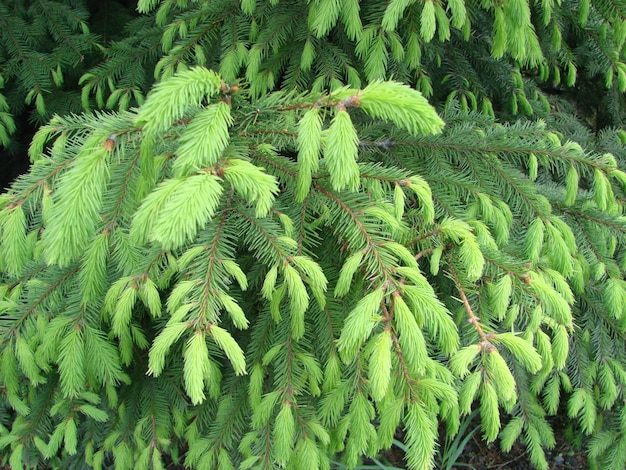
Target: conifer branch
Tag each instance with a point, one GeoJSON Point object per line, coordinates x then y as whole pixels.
{"type": "Point", "coordinates": [472, 318]}
{"type": "Point", "coordinates": [213, 260]}
{"type": "Point", "coordinates": [370, 244]}
{"type": "Point", "coordinates": [32, 308]}
{"type": "Point", "coordinates": [20, 198]}
{"type": "Point", "coordinates": [388, 319]}
{"type": "Point", "coordinates": [204, 228]}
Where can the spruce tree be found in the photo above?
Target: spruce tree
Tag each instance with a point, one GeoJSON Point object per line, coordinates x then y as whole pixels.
{"type": "Point", "coordinates": [325, 221]}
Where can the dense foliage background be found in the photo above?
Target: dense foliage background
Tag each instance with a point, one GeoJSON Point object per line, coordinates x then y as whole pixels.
{"type": "Point", "coordinates": [281, 234]}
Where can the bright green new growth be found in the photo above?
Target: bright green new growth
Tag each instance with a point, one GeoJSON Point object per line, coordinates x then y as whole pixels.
{"type": "Point", "coordinates": [171, 214]}
{"type": "Point", "coordinates": [282, 272]}
{"type": "Point", "coordinates": [172, 99]}
{"type": "Point", "coordinates": [204, 140]}
{"type": "Point", "coordinates": [340, 155]}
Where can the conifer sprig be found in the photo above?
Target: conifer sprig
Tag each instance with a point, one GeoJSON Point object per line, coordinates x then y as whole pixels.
{"type": "Point", "coordinates": [282, 254]}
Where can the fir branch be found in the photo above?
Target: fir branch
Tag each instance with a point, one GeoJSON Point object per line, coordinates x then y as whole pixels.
{"type": "Point", "coordinates": [472, 319]}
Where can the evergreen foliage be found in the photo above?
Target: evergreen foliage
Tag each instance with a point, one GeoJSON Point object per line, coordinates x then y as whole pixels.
{"type": "Point", "coordinates": [40, 42]}
{"type": "Point", "coordinates": [324, 222]}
